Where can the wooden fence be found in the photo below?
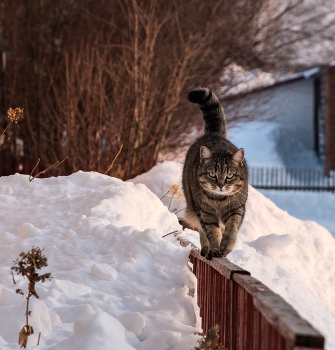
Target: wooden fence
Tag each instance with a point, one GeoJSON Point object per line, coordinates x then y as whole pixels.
{"type": "Point", "coordinates": [250, 315]}
{"type": "Point", "coordinates": [291, 179]}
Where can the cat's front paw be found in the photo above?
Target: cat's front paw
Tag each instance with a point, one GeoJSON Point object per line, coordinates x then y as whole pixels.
{"type": "Point", "coordinates": [226, 247]}
{"type": "Point", "coordinates": [204, 251]}
{"type": "Point", "coordinates": [225, 251]}
{"type": "Point", "coordinates": [214, 253]}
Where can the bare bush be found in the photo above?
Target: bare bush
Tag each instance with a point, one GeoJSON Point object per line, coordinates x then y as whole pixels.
{"type": "Point", "coordinates": [93, 76]}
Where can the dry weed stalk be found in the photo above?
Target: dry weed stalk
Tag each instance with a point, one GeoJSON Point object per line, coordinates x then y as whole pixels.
{"type": "Point", "coordinates": [107, 171]}
{"type": "Point", "coordinates": [26, 266]}
{"type": "Point", "coordinates": [210, 341]}
{"type": "Point", "coordinates": [14, 116]}
{"type": "Point", "coordinates": [31, 177]}
{"type": "Point", "coordinates": [174, 190]}
{"type": "Point", "coordinates": [178, 211]}
{"type": "Point", "coordinates": [176, 231]}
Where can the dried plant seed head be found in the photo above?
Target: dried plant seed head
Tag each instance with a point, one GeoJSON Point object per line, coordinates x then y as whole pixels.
{"type": "Point", "coordinates": [28, 263]}
{"type": "Point", "coordinates": [175, 190]}
{"type": "Point", "coordinates": [210, 341]}
{"type": "Point", "coordinates": [19, 291]}
{"type": "Point", "coordinates": [15, 115]}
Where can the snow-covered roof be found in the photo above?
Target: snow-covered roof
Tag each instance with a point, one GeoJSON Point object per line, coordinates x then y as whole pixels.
{"type": "Point", "coordinates": [254, 80]}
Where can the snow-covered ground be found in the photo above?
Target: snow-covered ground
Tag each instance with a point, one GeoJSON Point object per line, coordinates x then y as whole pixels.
{"type": "Point", "coordinates": [295, 258]}
{"type": "Point", "coordinates": [117, 284]}
{"type": "Point", "coordinates": [315, 206]}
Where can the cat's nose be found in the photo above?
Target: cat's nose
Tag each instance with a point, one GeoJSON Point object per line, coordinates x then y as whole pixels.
{"type": "Point", "coordinates": [220, 185]}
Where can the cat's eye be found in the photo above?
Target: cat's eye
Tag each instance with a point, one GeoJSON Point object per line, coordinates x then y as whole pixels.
{"type": "Point", "coordinates": [212, 174]}
{"type": "Point", "coordinates": [230, 176]}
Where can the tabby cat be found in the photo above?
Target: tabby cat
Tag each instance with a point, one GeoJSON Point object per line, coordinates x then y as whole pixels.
{"type": "Point", "coordinates": [215, 181]}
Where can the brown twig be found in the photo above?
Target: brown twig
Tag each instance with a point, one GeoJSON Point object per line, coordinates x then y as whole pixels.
{"type": "Point", "coordinates": [4, 133]}
{"type": "Point", "coordinates": [165, 194]}
{"type": "Point", "coordinates": [180, 210]}
{"type": "Point", "coordinates": [171, 201]}
{"type": "Point", "coordinates": [27, 310]}
{"type": "Point", "coordinates": [4, 141]}
{"type": "Point", "coordinates": [13, 277]}
{"type": "Point", "coordinates": [170, 233]}
{"type": "Point", "coordinates": [114, 160]}
{"type": "Point", "coordinates": [31, 174]}
{"type": "Point", "coordinates": [31, 177]}
{"type": "Point", "coordinates": [6, 127]}
{"type": "Point", "coordinates": [39, 337]}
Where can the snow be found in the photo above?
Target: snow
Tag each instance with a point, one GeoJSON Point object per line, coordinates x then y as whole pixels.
{"type": "Point", "coordinates": [294, 258]}
{"type": "Point", "coordinates": [236, 80]}
{"type": "Point", "coordinates": [100, 331]}
{"type": "Point", "coordinates": [104, 272]}
{"type": "Point", "coordinates": [265, 148]}
{"type": "Point", "coordinates": [117, 284]}
{"type": "Point", "coordinates": [315, 206]}
{"type": "Point", "coordinates": [257, 139]}
{"type": "Point", "coordinates": [311, 72]}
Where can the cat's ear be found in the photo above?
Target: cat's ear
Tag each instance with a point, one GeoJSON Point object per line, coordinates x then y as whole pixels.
{"type": "Point", "coordinates": [238, 157]}
{"type": "Point", "coordinates": [205, 154]}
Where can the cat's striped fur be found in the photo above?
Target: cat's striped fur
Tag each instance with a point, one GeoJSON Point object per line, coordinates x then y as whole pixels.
{"type": "Point", "coordinates": [215, 181]}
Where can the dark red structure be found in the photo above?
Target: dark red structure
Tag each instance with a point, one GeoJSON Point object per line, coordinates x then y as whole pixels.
{"type": "Point", "coordinates": [329, 125]}
{"type": "Point", "coordinates": [250, 315]}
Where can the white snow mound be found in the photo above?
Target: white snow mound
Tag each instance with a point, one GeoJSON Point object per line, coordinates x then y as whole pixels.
{"type": "Point", "coordinates": [113, 273]}
{"type": "Point", "coordinates": [295, 258]}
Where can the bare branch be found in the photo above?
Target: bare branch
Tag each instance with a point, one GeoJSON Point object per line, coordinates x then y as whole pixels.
{"type": "Point", "coordinates": [31, 177]}
{"type": "Point", "coordinates": [107, 171]}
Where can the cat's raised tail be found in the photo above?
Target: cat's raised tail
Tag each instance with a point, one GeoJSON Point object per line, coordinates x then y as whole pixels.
{"type": "Point", "coordinates": [213, 113]}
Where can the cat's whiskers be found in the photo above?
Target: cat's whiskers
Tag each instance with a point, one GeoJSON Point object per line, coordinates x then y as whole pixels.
{"type": "Point", "coordinates": [237, 200]}
{"type": "Point", "coordinates": [243, 193]}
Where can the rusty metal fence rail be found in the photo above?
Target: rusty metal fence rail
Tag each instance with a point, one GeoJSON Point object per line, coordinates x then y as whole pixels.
{"type": "Point", "coordinates": [250, 315]}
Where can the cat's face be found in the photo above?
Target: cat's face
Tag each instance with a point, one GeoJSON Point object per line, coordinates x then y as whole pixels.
{"type": "Point", "coordinates": [220, 174]}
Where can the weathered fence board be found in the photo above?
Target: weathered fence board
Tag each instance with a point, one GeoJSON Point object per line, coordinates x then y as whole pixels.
{"type": "Point", "coordinates": [250, 315]}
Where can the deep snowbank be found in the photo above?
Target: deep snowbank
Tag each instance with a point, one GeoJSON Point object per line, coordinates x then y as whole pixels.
{"type": "Point", "coordinates": [295, 258]}
{"type": "Point", "coordinates": [117, 283]}
{"type": "Point", "coordinates": [316, 206]}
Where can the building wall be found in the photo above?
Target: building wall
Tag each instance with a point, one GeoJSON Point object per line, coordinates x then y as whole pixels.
{"type": "Point", "coordinates": [329, 124]}
{"type": "Point", "coordinates": [291, 107]}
